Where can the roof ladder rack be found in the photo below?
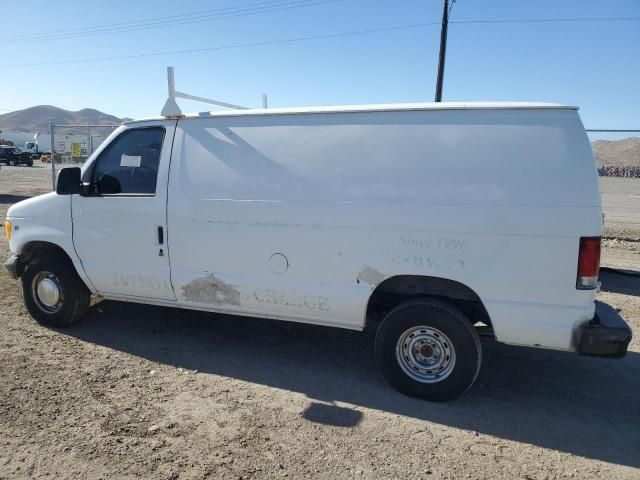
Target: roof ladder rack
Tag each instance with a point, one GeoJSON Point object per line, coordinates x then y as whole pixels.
{"type": "Point", "coordinates": [171, 108]}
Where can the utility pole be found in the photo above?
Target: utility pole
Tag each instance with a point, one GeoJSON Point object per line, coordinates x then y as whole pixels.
{"type": "Point", "coordinates": [443, 50]}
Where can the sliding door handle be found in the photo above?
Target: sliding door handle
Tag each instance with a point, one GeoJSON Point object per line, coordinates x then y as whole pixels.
{"type": "Point", "coordinates": [160, 236]}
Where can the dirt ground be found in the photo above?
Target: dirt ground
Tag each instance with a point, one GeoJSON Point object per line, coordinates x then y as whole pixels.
{"type": "Point", "coordinates": [621, 206]}
{"type": "Point", "coordinates": [137, 391]}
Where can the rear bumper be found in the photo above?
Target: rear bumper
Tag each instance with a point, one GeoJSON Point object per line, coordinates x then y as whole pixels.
{"type": "Point", "coordinates": [605, 335]}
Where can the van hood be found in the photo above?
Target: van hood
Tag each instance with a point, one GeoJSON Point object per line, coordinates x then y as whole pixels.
{"type": "Point", "coordinates": [49, 204]}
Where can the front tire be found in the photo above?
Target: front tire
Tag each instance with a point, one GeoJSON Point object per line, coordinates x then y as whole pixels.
{"type": "Point", "coordinates": [53, 293]}
{"type": "Point", "coordinates": [428, 349]}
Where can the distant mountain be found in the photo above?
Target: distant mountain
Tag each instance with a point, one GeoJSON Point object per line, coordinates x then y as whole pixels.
{"type": "Point", "coordinates": [620, 153]}
{"type": "Point", "coordinates": [36, 119]}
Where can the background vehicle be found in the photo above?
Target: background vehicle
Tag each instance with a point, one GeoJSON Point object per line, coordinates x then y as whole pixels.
{"type": "Point", "coordinates": [25, 157]}
{"type": "Point", "coordinates": [32, 149]}
{"type": "Point", "coordinates": [46, 157]}
{"type": "Point", "coordinates": [14, 156]}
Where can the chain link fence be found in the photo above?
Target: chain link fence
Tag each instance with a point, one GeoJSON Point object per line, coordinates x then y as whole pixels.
{"type": "Point", "coordinates": [617, 152]}
{"type": "Point", "coordinates": [71, 145]}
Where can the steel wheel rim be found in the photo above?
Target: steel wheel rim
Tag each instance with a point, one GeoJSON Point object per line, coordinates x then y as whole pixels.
{"type": "Point", "coordinates": [46, 290]}
{"type": "Point", "coordinates": [425, 354]}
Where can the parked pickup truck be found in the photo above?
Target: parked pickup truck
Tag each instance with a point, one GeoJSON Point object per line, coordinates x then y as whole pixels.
{"type": "Point", "coordinates": [14, 156]}
{"type": "Point", "coordinates": [430, 223]}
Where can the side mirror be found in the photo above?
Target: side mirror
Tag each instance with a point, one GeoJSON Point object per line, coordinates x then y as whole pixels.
{"type": "Point", "coordinates": [68, 181]}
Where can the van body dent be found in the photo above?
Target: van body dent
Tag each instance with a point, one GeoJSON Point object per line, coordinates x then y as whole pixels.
{"type": "Point", "coordinates": [340, 216]}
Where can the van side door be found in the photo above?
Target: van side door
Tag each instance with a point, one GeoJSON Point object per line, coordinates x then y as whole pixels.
{"type": "Point", "coordinates": [119, 224]}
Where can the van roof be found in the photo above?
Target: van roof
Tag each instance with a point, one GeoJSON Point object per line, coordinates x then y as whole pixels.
{"type": "Point", "coordinates": [390, 107]}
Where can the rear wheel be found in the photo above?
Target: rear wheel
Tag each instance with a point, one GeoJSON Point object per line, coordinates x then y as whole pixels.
{"type": "Point", "coordinates": [12, 163]}
{"type": "Point", "coordinates": [428, 349]}
{"type": "Point", "coordinates": [53, 293]}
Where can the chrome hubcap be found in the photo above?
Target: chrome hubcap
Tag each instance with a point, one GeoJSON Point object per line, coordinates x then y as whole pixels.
{"type": "Point", "coordinates": [47, 292]}
{"type": "Point", "coordinates": [425, 354]}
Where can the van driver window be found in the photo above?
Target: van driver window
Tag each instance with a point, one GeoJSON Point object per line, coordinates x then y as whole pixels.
{"type": "Point", "coordinates": [129, 165]}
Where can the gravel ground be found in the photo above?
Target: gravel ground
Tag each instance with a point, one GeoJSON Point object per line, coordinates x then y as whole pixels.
{"type": "Point", "coordinates": [139, 391]}
{"type": "Point", "coordinates": [621, 206]}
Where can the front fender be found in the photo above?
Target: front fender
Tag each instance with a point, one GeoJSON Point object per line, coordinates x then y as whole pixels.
{"type": "Point", "coordinates": [45, 218]}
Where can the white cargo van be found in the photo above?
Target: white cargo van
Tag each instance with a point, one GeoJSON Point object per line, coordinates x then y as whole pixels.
{"type": "Point", "coordinates": [429, 222]}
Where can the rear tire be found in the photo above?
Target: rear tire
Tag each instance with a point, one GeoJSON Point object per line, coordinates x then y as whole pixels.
{"type": "Point", "coordinates": [53, 293]}
{"type": "Point", "coordinates": [428, 349]}
{"type": "Point", "coordinates": [12, 163]}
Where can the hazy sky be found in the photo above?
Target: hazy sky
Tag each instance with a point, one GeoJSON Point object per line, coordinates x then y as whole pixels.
{"type": "Point", "coordinates": [595, 65]}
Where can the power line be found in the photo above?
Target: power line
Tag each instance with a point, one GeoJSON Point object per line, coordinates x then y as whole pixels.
{"type": "Point", "coordinates": [162, 22]}
{"type": "Point", "coordinates": [133, 22]}
{"type": "Point", "coordinates": [307, 38]}
{"type": "Point", "coordinates": [551, 20]}
{"type": "Point", "coordinates": [453, 2]}
{"type": "Point", "coordinates": [265, 6]}
{"type": "Point", "coordinates": [226, 47]}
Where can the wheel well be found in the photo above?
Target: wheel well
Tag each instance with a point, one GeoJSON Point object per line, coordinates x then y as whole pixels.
{"type": "Point", "coordinates": [395, 290]}
{"type": "Point", "coordinates": [33, 250]}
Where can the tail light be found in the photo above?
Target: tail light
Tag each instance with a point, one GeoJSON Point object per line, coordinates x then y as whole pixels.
{"type": "Point", "coordinates": [588, 263]}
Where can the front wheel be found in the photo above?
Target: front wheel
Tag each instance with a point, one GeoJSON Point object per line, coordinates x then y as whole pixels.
{"type": "Point", "coordinates": [53, 293]}
{"type": "Point", "coordinates": [12, 163]}
{"type": "Point", "coordinates": [428, 349]}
